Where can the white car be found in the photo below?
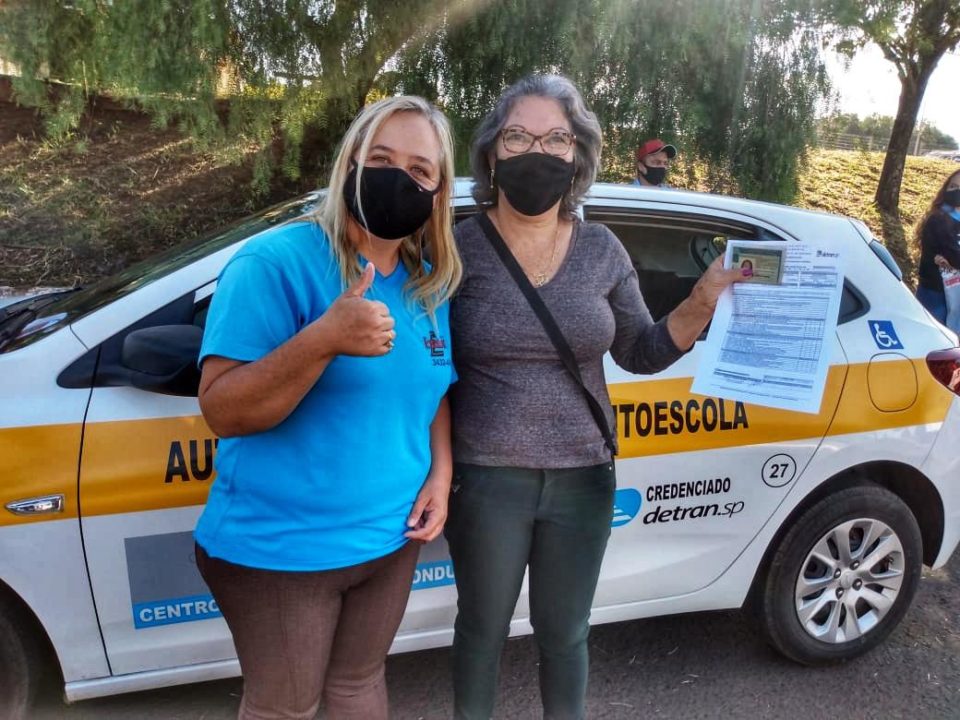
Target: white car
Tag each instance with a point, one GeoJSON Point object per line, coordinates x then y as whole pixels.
{"type": "Point", "coordinates": [819, 523]}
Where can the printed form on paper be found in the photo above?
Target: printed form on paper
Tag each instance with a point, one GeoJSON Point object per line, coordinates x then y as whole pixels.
{"type": "Point", "coordinates": [770, 344]}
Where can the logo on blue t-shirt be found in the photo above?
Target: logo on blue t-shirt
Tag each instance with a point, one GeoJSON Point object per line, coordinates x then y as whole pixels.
{"type": "Point", "coordinates": [435, 344]}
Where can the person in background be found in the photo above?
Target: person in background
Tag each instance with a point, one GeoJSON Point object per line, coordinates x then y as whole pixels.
{"type": "Point", "coordinates": [534, 478]}
{"type": "Point", "coordinates": [938, 235]}
{"type": "Point", "coordinates": [325, 367]}
{"type": "Point", "coordinates": [653, 162]}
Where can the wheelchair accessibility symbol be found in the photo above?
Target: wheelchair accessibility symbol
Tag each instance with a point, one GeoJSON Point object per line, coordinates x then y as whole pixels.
{"type": "Point", "coordinates": [884, 335]}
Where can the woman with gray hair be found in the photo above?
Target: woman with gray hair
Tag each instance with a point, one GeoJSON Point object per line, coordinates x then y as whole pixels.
{"type": "Point", "coordinates": [544, 296]}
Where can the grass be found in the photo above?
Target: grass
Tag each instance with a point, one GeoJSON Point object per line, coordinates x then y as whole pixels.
{"type": "Point", "coordinates": [75, 212]}
{"type": "Point", "coordinates": [843, 182]}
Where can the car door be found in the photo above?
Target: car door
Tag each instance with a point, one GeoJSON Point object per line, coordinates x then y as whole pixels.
{"type": "Point", "coordinates": [697, 476]}
{"type": "Point", "coordinates": [147, 459]}
{"type": "Point", "coordinates": [41, 549]}
{"type": "Point", "coordinates": [145, 470]}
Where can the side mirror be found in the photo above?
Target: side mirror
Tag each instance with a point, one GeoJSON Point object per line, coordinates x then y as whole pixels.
{"type": "Point", "coordinates": [163, 359]}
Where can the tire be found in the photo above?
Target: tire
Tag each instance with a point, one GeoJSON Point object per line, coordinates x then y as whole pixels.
{"type": "Point", "coordinates": [19, 664]}
{"type": "Point", "coordinates": [818, 602]}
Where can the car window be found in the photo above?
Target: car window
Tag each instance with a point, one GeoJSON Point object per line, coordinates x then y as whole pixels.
{"type": "Point", "coordinates": [463, 212]}
{"type": "Point", "coordinates": [670, 251]}
{"type": "Point", "coordinates": [101, 366]}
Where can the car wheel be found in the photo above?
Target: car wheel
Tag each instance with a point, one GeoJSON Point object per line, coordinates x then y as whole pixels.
{"type": "Point", "coordinates": [19, 665]}
{"type": "Point", "coordinates": [842, 577]}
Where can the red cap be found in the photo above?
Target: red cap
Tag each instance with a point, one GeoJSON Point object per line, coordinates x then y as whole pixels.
{"type": "Point", "coordinates": [654, 146]}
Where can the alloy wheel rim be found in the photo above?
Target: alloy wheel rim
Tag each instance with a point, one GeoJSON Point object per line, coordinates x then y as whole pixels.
{"type": "Point", "coordinates": [849, 581]}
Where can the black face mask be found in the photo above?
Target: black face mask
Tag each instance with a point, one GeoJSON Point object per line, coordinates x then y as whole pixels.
{"type": "Point", "coordinates": [655, 175]}
{"type": "Point", "coordinates": [952, 197]}
{"type": "Point", "coordinates": [533, 182]}
{"type": "Point", "coordinates": [394, 205]}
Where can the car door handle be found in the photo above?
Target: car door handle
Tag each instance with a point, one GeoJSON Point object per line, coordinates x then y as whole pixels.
{"type": "Point", "coordinates": [37, 505]}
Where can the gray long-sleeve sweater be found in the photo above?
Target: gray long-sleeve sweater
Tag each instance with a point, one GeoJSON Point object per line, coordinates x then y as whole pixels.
{"type": "Point", "coordinates": [515, 404]}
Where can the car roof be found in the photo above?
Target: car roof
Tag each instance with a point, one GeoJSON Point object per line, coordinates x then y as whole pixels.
{"type": "Point", "coordinates": [710, 201]}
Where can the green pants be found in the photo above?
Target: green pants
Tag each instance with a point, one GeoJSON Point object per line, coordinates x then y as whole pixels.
{"type": "Point", "coordinates": [502, 520]}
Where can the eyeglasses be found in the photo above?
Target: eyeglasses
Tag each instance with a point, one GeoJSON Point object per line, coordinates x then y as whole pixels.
{"type": "Point", "coordinates": [555, 142]}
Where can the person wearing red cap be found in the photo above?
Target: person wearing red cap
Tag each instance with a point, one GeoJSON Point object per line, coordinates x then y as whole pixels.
{"type": "Point", "coordinates": [653, 161]}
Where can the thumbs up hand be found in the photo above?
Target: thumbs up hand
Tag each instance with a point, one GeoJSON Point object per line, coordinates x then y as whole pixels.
{"type": "Point", "coordinates": [359, 287]}
{"type": "Point", "coordinates": [357, 326]}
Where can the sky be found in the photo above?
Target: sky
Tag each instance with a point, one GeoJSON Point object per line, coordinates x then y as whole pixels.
{"type": "Point", "coordinates": [870, 85]}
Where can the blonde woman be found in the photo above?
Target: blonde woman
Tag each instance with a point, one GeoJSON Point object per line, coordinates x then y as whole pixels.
{"type": "Point", "coordinates": [325, 367]}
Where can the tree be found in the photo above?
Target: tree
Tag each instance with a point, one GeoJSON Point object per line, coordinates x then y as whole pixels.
{"type": "Point", "coordinates": [929, 136]}
{"type": "Point", "coordinates": [734, 83]}
{"type": "Point", "coordinates": [295, 70]}
{"type": "Point", "coordinates": [877, 129]}
{"type": "Point", "coordinates": [913, 35]}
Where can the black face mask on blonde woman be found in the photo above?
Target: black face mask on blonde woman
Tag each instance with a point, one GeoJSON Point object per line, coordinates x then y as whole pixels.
{"type": "Point", "coordinates": [394, 205]}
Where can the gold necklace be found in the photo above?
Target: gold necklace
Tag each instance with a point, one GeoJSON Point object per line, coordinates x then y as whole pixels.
{"type": "Point", "coordinates": [540, 278]}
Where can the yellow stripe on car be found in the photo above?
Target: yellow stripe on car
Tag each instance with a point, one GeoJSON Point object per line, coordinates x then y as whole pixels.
{"type": "Point", "coordinates": [35, 461]}
{"type": "Point", "coordinates": [137, 465]}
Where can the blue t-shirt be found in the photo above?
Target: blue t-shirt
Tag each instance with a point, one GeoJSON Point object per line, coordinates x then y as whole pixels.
{"type": "Point", "coordinates": [332, 485]}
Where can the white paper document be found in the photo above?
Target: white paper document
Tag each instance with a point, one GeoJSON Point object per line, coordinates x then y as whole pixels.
{"type": "Point", "coordinates": [770, 344]}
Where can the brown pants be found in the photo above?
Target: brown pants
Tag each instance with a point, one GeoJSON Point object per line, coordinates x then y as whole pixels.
{"type": "Point", "coordinates": [300, 635]}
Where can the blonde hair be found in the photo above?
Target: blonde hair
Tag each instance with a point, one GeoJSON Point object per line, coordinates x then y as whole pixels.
{"type": "Point", "coordinates": [428, 290]}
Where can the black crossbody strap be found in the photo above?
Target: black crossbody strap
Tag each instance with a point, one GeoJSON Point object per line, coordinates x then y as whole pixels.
{"type": "Point", "coordinates": [549, 324]}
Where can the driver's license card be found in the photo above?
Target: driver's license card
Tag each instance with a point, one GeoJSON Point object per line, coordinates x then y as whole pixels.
{"type": "Point", "coordinates": [765, 264]}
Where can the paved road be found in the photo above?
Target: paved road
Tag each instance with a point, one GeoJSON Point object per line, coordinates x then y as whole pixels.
{"type": "Point", "coordinates": [695, 666]}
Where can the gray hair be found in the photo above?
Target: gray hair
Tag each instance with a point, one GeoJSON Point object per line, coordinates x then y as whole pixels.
{"type": "Point", "coordinates": [582, 120]}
